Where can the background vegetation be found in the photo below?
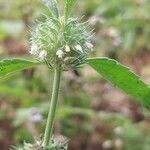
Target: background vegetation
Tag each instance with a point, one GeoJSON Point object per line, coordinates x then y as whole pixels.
{"type": "Point", "coordinates": [92, 113]}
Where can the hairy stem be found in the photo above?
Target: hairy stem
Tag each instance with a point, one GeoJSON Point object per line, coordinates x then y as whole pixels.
{"type": "Point", "coordinates": [52, 108]}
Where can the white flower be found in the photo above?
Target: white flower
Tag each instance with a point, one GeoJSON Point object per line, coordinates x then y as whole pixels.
{"type": "Point", "coordinates": [112, 32]}
{"type": "Point", "coordinates": [89, 45]}
{"type": "Point", "coordinates": [119, 144]}
{"type": "Point", "coordinates": [42, 55]}
{"type": "Point", "coordinates": [79, 48]}
{"type": "Point", "coordinates": [33, 50]}
{"type": "Point", "coordinates": [60, 53]}
{"type": "Point", "coordinates": [107, 144]}
{"type": "Point", "coordinates": [93, 20]}
{"type": "Point", "coordinates": [67, 48]}
{"type": "Point", "coordinates": [118, 130]}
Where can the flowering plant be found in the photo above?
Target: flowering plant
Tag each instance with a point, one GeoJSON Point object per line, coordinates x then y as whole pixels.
{"type": "Point", "coordinates": [61, 38]}
{"type": "Point", "coordinates": [63, 43]}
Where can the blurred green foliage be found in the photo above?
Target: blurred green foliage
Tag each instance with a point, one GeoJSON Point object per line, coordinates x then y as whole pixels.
{"type": "Point", "coordinates": [125, 23]}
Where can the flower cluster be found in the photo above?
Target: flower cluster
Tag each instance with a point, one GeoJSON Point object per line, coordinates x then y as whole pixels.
{"type": "Point", "coordinates": [56, 39]}
{"type": "Point", "coordinates": [57, 143]}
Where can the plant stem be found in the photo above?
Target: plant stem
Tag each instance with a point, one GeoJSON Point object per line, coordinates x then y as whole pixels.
{"type": "Point", "coordinates": [52, 108]}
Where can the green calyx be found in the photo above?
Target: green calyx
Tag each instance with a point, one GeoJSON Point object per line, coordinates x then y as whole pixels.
{"type": "Point", "coordinates": [68, 40]}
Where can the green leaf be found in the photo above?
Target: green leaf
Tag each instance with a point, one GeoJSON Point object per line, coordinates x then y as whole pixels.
{"type": "Point", "coordinates": [68, 7]}
{"type": "Point", "coordinates": [52, 5]}
{"type": "Point", "coordinates": [123, 78]}
{"type": "Point", "coordinates": [9, 66]}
